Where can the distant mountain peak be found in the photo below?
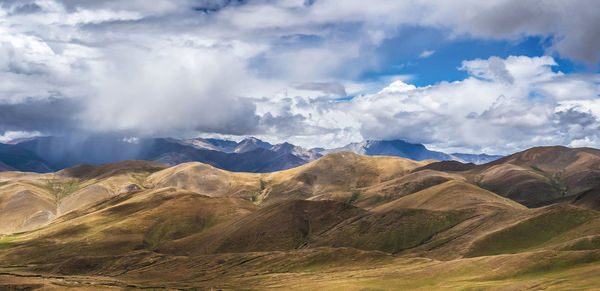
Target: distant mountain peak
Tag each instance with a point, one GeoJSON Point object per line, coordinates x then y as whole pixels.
{"type": "Point", "coordinates": [52, 153]}
{"type": "Point", "coordinates": [250, 144]}
{"type": "Point", "coordinates": [397, 148]}
{"type": "Point", "coordinates": [286, 147]}
{"type": "Point", "coordinates": [283, 146]}
{"type": "Point", "coordinates": [475, 158]}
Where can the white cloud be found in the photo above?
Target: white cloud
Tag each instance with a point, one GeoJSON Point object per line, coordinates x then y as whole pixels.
{"type": "Point", "coordinates": [397, 87]}
{"type": "Point", "coordinates": [12, 135]}
{"type": "Point", "coordinates": [426, 54]}
{"type": "Point", "coordinates": [481, 113]}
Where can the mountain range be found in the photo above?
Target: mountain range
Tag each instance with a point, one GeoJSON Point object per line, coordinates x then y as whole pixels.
{"type": "Point", "coordinates": [529, 220]}
{"type": "Point", "coordinates": [48, 154]}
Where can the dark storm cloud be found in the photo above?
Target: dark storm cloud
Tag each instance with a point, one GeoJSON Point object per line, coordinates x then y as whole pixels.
{"type": "Point", "coordinates": [208, 6]}
{"type": "Point", "coordinates": [62, 115]}
{"type": "Point", "coordinates": [290, 125]}
{"type": "Point", "coordinates": [239, 118]}
{"type": "Point", "coordinates": [576, 124]}
{"type": "Point", "coordinates": [27, 8]}
{"type": "Point", "coordinates": [573, 116]}
{"type": "Point", "coordinates": [571, 27]}
{"type": "Point", "coordinates": [50, 115]}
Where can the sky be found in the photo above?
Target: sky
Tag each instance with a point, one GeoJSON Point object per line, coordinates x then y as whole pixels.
{"type": "Point", "coordinates": [471, 76]}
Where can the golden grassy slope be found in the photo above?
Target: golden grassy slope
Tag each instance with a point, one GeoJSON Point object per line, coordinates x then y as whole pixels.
{"type": "Point", "coordinates": [206, 180]}
{"type": "Point", "coordinates": [25, 204]}
{"type": "Point", "coordinates": [29, 200]}
{"type": "Point", "coordinates": [336, 175]}
{"type": "Point", "coordinates": [122, 225]}
{"type": "Point", "coordinates": [451, 195]}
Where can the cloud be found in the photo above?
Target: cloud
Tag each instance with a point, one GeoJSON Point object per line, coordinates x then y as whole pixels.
{"type": "Point", "coordinates": [9, 136]}
{"type": "Point", "coordinates": [426, 54]}
{"type": "Point", "coordinates": [177, 86]}
{"type": "Point", "coordinates": [272, 68]}
{"type": "Point", "coordinates": [47, 115]}
{"type": "Point", "coordinates": [333, 88]}
{"type": "Point", "coordinates": [505, 105]}
{"type": "Point", "coordinates": [570, 26]}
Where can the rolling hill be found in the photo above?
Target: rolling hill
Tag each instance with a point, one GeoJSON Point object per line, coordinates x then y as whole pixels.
{"type": "Point", "coordinates": [345, 220]}
{"type": "Point", "coordinates": [540, 175]}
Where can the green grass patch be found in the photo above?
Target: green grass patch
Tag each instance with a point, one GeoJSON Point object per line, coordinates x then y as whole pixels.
{"type": "Point", "coordinates": [254, 196]}
{"type": "Point", "coordinates": [531, 233]}
{"type": "Point", "coordinates": [440, 242]}
{"type": "Point", "coordinates": [550, 263]}
{"type": "Point", "coordinates": [558, 263]}
{"type": "Point", "coordinates": [555, 180]}
{"type": "Point", "coordinates": [61, 189]}
{"type": "Point", "coordinates": [395, 231]}
{"type": "Point", "coordinates": [487, 187]}
{"type": "Point", "coordinates": [558, 182]}
{"type": "Point", "coordinates": [72, 233]}
{"type": "Point", "coordinates": [354, 196]}
{"type": "Point", "coordinates": [592, 243]}
{"type": "Point", "coordinates": [140, 178]}
{"type": "Point", "coordinates": [176, 228]}
{"type": "Point", "coordinates": [263, 184]}
{"type": "Point", "coordinates": [4, 183]}
{"type": "Point", "coordinates": [399, 239]}
{"type": "Point", "coordinates": [350, 199]}
{"type": "Point", "coordinates": [8, 241]}
{"type": "Point", "coordinates": [384, 198]}
{"type": "Point", "coordinates": [535, 168]}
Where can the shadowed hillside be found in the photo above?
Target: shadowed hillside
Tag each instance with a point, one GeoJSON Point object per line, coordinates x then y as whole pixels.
{"type": "Point", "coordinates": [542, 174]}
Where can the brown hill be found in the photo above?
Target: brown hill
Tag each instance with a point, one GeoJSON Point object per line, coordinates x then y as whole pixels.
{"type": "Point", "coordinates": [335, 176]}
{"type": "Point", "coordinates": [541, 174]}
{"type": "Point", "coordinates": [392, 189]}
{"type": "Point", "coordinates": [553, 158]}
{"type": "Point", "coordinates": [108, 170]}
{"type": "Point", "coordinates": [207, 180]}
{"type": "Point", "coordinates": [344, 221]}
{"type": "Point", "coordinates": [24, 207]}
{"type": "Point", "coordinates": [544, 228]}
{"type": "Point", "coordinates": [451, 195]}
{"type": "Point", "coordinates": [391, 231]}
{"type": "Point", "coordinates": [448, 166]}
{"type": "Point", "coordinates": [589, 199]}
{"type": "Point", "coordinates": [83, 185]}
{"type": "Point", "coordinates": [475, 213]}
{"type": "Point", "coordinates": [284, 226]}
{"type": "Point", "coordinates": [121, 225]}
